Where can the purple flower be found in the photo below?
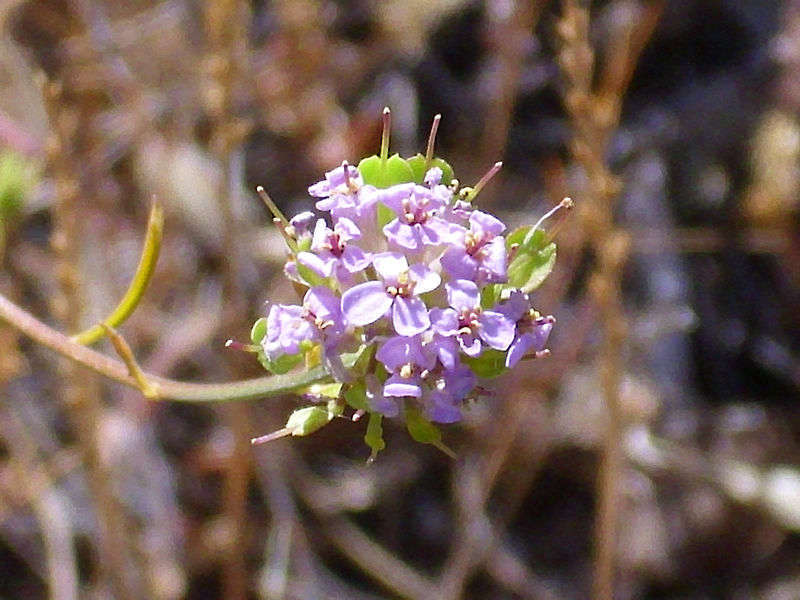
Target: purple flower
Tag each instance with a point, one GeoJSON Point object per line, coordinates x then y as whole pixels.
{"type": "Point", "coordinates": [442, 402]}
{"type": "Point", "coordinates": [419, 222]}
{"type": "Point", "coordinates": [342, 181]}
{"type": "Point", "coordinates": [532, 330]}
{"type": "Point", "coordinates": [301, 225]}
{"type": "Point", "coordinates": [399, 289]}
{"type": "Point", "coordinates": [407, 361]}
{"type": "Point", "coordinates": [386, 405]}
{"type": "Point", "coordinates": [332, 251]}
{"type": "Point", "coordinates": [318, 319]}
{"type": "Point", "coordinates": [469, 322]}
{"type": "Point", "coordinates": [286, 330]}
{"type": "Point", "coordinates": [480, 253]}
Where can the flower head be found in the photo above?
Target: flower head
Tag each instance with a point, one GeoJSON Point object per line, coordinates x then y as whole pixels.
{"type": "Point", "coordinates": [410, 291]}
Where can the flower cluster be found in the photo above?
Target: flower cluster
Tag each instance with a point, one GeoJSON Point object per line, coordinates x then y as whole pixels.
{"type": "Point", "coordinates": [411, 293]}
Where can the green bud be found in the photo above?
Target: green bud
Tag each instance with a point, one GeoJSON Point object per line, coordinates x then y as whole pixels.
{"type": "Point", "coordinates": [307, 420]}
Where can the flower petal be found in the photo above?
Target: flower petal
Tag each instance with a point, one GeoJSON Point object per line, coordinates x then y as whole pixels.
{"type": "Point", "coordinates": [354, 259]}
{"type": "Point", "coordinates": [458, 264]}
{"type": "Point", "coordinates": [425, 279]}
{"type": "Point", "coordinates": [321, 266]}
{"type": "Point", "coordinates": [400, 386]}
{"type": "Point", "coordinates": [403, 235]}
{"type": "Point", "coordinates": [389, 265]}
{"type": "Point", "coordinates": [485, 225]}
{"type": "Point", "coordinates": [463, 294]}
{"type": "Point", "coordinates": [410, 316]}
{"type": "Point", "coordinates": [365, 303]}
{"type": "Point", "coordinates": [496, 330]}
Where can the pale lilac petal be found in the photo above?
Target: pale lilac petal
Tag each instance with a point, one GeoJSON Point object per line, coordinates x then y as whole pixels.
{"type": "Point", "coordinates": [428, 234]}
{"type": "Point", "coordinates": [446, 349]}
{"type": "Point", "coordinates": [470, 345]}
{"type": "Point", "coordinates": [519, 347]}
{"type": "Point", "coordinates": [440, 407]}
{"type": "Point", "coordinates": [321, 266]}
{"type": "Point", "coordinates": [323, 303]}
{"type": "Point", "coordinates": [410, 316]}
{"type": "Point", "coordinates": [433, 176]}
{"type": "Point", "coordinates": [460, 381]}
{"type": "Point", "coordinates": [485, 225]}
{"type": "Point", "coordinates": [347, 230]}
{"type": "Point", "coordinates": [400, 387]}
{"type": "Point", "coordinates": [354, 259]}
{"type": "Point", "coordinates": [463, 294]}
{"type": "Point", "coordinates": [389, 265]}
{"type": "Point", "coordinates": [377, 401]}
{"type": "Point", "coordinates": [393, 196]}
{"type": "Point", "coordinates": [444, 321]}
{"type": "Point", "coordinates": [425, 279]}
{"type": "Point", "coordinates": [399, 350]}
{"type": "Point", "coordinates": [494, 259]}
{"type": "Point", "coordinates": [302, 223]}
{"type": "Point", "coordinates": [365, 303]}
{"type": "Point", "coordinates": [459, 264]}
{"type": "Point", "coordinates": [402, 234]}
{"type": "Point", "coordinates": [496, 330]}
{"type": "Point", "coordinates": [517, 305]}
{"type": "Point", "coordinates": [319, 241]}
{"type": "Point", "coordinates": [448, 233]}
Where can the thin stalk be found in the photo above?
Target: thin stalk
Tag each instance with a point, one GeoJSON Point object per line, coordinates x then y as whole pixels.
{"type": "Point", "coordinates": [138, 285]}
{"type": "Point", "coordinates": [165, 389]}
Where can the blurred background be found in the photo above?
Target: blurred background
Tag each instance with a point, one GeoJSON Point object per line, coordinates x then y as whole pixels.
{"type": "Point", "coordinates": [657, 450]}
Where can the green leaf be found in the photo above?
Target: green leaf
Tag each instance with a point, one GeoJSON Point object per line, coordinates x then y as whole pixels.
{"type": "Point", "coordinates": [417, 164]}
{"type": "Point", "coordinates": [309, 275]}
{"type": "Point", "coordinates": [420, 428]}
{"type": "Point", "coordinates": [356, 395]}
{"type": "Point", "coordinates": [358, 361]}
{"type": "Point", "coordinates": [489, 364]}
{"type": "Point", "coordinates": [259, 330]}
{"type": "Point", "coordinates": [384, 174]}
{"type": "Point", "coordinates": [517, 236]}
{"type": "Point", "coordinates": [282, 364]}
{"type": "Point", "coordinates": [374, 435]}
{"type": "Point", "coordinates": [533, 262]}
{"type": "Point", "coordinates": [490, 295]}
{"type": "Point", "coordinates": [424, 431]}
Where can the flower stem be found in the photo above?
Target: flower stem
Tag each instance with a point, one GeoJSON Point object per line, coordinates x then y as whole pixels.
{"type": "Point", "coordinates": [163, 388]}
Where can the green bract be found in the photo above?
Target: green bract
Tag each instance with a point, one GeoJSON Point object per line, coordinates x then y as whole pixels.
{"type": "Point", "coordinates": [534, 259]}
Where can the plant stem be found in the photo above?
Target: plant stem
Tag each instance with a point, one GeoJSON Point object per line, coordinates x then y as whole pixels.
{"type": "Point", "coordinates": [165, 389]}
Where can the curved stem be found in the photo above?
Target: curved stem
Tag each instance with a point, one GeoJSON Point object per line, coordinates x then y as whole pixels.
{"type": "Point", "coordinates": [147, 263]}
{"type": "Point", "coordinates": [164, 389]}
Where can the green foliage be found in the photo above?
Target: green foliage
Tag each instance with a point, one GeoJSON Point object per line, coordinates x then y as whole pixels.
{"type": "Point", "coordinates": [356, 395]}
{"type": "Point", "coordinates": [385, 173]}
{"type": "Point", "coordinates": [533, 262]}
{"type": "Point", "coordinates": [491, 363]}
{"type": "Point", "coordinates": [16, 180]}
{"type": "Point", "coordinates": [374, 435]}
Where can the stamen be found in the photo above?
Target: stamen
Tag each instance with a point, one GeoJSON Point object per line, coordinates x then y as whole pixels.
{"type": "Point", "coordinates": [485, 179]}
{"type": "Point", "coordinates": [387, 128]}
{"type": "Point", "coordinates": [566, 203]}
{"type": "Point", "coordinates": [406, 371]}
{"type": "Point", "coordinates": [234, 345]}
{"type": "Point", "coordinates": [346, 168]}
{"type": "Point", "coordinates": [432, 141]}
{"type": "Point", "coordinates": [271, 436]}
